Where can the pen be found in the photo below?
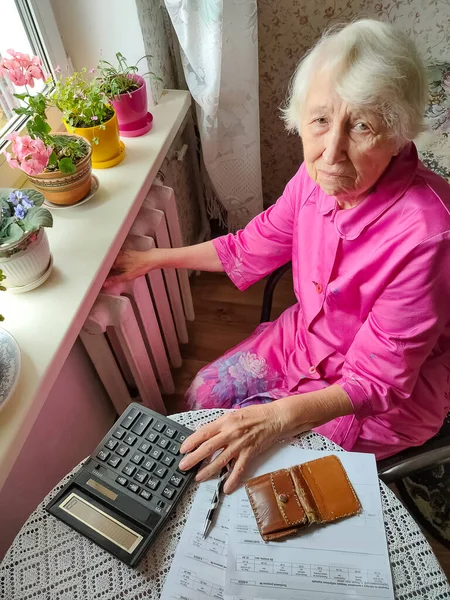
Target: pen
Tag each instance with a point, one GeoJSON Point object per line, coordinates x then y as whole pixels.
{"type": "Point", "coordinates": [215, 501]}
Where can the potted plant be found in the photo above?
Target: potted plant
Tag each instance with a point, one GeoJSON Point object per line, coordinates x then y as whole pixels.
{"type": "Point", "coordinates": [25, 257]}
{"type": "Point", "coordinates": [127, 91]}
{"type": "Point", "coordinates": [87, 112]}
{"type": "Point", "coordinates": [59, 165]}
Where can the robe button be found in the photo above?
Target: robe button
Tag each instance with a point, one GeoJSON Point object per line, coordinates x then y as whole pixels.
{"type": "Point", "coordinates": [312, 370]}
{"type": "Point", "coordinates": [319, 288]}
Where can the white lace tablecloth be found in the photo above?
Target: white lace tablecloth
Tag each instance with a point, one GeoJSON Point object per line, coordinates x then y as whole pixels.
{"type": "Point", "coordinates": [50, 561]}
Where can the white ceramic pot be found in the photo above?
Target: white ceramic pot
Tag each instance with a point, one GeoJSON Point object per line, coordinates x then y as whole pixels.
{"type": "Point", "coordinates": [25, 261]}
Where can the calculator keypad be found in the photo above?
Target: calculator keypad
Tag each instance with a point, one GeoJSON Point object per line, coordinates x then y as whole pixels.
{"type": "Point", "coordinates": [141, 455]}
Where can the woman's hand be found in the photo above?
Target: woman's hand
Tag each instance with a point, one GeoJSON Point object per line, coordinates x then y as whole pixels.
{"type": "Point", "coordinates": [129, 265]}
{"type": "Point", "coordinates": [247, 432]}
{"type": "Point", "coordinates": [242, 434]}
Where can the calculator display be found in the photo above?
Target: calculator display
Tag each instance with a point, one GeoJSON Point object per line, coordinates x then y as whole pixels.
{"type": "Point", "coordinates": [101, 522]}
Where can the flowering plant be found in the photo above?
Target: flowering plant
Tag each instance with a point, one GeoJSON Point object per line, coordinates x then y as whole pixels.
{"type": "Point", "coordinates": [82, 101]}
{"type": "Point", "coordinates": [21, 211]}
{"type": "Point", "coordinates": [38, 150]}
{"type": "Point", "coordinates": [115, 81]}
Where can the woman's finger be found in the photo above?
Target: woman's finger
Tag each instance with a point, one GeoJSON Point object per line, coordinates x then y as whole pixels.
{"type": "Point", "coordinates": [206, 449]}
{"type": "Point", "coordinates": [200, 436]}
{"type": "Point", "coordinates": [237, 472]}
{"type": "Point", "coordinates": [215, 466]}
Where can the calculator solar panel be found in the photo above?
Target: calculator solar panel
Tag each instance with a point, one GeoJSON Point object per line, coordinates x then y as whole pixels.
{"type": "Point", "coordinates": [123, 494]}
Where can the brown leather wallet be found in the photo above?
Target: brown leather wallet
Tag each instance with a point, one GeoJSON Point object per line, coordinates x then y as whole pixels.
{"type": "Point", "coordinates": [288, 500]}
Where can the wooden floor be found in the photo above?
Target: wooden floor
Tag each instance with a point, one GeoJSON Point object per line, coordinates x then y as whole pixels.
{"type": "Point", "coordinates": [224, 317]}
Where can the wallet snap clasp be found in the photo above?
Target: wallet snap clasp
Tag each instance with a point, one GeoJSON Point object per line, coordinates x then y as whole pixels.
{"type": "Point", "coordinates": [283, 498]}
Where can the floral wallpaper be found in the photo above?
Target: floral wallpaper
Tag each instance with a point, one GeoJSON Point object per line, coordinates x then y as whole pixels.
{"type": "Point", "coordinates": [288, 28]}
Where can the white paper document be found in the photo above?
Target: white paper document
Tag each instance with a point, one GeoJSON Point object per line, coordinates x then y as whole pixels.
{"type": "Point", "coordinates": [198, 568]}
{"type": "Point", "coordinates": [345, 559]}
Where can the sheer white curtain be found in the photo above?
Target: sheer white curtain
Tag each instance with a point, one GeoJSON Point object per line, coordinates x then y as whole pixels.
{"type": "Point", "coordinates": [219, 49]}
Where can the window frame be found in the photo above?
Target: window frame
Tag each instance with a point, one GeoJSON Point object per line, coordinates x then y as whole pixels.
{"type": "Point", "coordinates": [42, 28]}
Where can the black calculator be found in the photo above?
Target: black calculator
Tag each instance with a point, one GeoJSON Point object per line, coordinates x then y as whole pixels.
{"type": "Point", "coordinates": [121, 497]}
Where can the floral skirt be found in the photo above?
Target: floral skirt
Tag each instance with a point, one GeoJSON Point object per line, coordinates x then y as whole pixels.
{"type": "Point", "coordinates": [241, 377]}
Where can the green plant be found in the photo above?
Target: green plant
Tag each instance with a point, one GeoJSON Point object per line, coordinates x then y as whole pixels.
{"type": "Point", "coordinates": [82, 101]}
{"type": "Point", "coordinates": [117, 80]}
{"type": "Point", "coordinates": [2, 289]}
{"type": "Point", "coordinates": [21, 211]}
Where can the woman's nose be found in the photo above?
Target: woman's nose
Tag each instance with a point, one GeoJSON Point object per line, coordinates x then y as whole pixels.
{"type": "Point", "coordinates": [335, 147]}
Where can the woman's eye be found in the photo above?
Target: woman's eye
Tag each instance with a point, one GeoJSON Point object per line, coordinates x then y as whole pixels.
{"type": "Point", "coordinates": [321, 120]}
{"type": "Point", "coordinates": [361, 127]}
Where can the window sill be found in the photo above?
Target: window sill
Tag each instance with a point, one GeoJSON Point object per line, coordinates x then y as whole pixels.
{"type": "Point", "coordinates": [84, 242]}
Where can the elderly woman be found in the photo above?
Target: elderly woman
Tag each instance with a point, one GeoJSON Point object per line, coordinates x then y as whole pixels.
{"type": "Point", "coordinates": [364, 355]}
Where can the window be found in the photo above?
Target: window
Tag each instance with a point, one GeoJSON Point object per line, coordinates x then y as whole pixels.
{"type": "Point", "coordinates": [27, 26]}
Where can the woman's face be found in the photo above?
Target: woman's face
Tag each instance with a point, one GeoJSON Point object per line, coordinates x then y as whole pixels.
{"type": "Point", "coordinates": [346, 149]}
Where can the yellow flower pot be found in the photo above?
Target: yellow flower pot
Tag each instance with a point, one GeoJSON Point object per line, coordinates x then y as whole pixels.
{"type": "Point", "coordinates": [110, 150]}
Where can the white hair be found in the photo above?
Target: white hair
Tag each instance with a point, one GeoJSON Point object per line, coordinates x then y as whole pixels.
{"type": "Point", "coordinates": [376, 68]}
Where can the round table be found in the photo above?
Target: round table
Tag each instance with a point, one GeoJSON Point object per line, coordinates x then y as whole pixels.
{"type": "Point", "coordinates": [50, 561]}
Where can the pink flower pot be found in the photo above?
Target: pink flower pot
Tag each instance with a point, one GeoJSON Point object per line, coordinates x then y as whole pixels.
{"type": "Point", "coordinates": [132, 114]}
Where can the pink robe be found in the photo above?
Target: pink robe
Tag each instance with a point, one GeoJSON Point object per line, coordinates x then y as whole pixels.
{"type": "Point", "coordinates": [373, 311]}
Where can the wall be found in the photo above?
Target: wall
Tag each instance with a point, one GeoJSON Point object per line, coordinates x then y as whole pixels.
{"type": "Point", "coordinates": [75, 417]}
{"type": "Point", "coordinates": [88, 26]}
{"type": "Point", "coordinates": [288, 28]}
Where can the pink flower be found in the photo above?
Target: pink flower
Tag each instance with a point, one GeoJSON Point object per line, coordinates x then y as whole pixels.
{"type": "Point", "coordinates": [94, 118]}
{"type": "Point", "coordinates": [58, 69]}
{"type": "Point", "coordinates": [12, 137]}
{"type": "Point", "coordinates": [21, 69]}
{"type": "Point", "coordinates": [12, 162]}
{"type": "Point", "coordinates": [91, 70]}
{"type": "Point", "coordinates": [33, 166]}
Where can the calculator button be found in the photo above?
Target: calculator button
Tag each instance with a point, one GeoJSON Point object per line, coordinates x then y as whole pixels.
{"type": "Point", "coordinates": [161, 472]}
{"type": "Point", "coordinates": [141, 424]}
{"type": "Point", "coordinates": [153, 483]}
{"type": "Point", "coordinates": [141, 476]}
{"type": "Point", "coordinates": [114, 461]}
{"type": "Point", "coordinates": [181, 437]}
{"type": "Point", "coordinates": [163, 442]}
{"type": "Point", "coordinates": [158, 426]}
{"type": "Point", "coordinates": [144, 447]}
{"type": "Point", "coordinates": [122, 450]}
{"type": "Point", "coordinates": [174, 448]}
{"type": "Point", "coordinates": [148, 464]}
{"type": "Point", "coordinates": [152, 437]}
{"type": "Point", "coordinates": [111, 444]}
{"type": "Point", "coordinates": [130, 439]}
{"type": "Point", "coordinates": [122, 480]}
{"type": "Point", "coordinates": [160, 506]}
{"type": "Point", "coordinates": [170, 432]}
{"type": "Point", "coordinates": [119, 433]}
{"type": "Point", "coordinates": [176, 480]}
{"type": "Point", "coordinates": [156, 453]}
{"type": "Point", "coordinates": [103, 455]}
{"type": "Point", "coordinates": [168, 460]}
{"type": "Point", "coordinates": [169, 492]}
{"type": "Point", "coordinates": [137, 458]}
{"type": "Point", "coordinates": [145, 494]}
{"type": "Point", "coordinates": [129, 469]}
{"type": "Point", "coordinates": [133, 487]}
{"type": "Point", "coordinates": [131, 417]}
